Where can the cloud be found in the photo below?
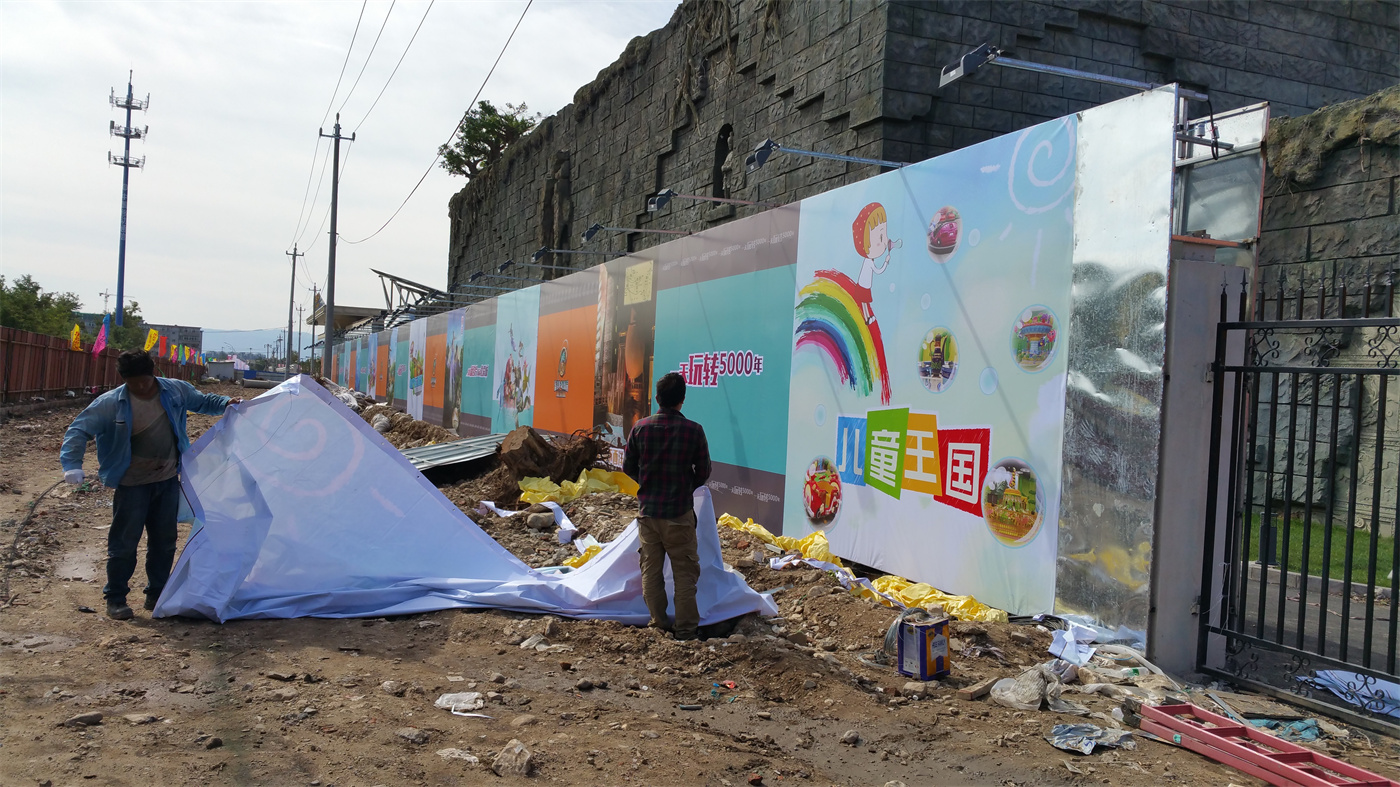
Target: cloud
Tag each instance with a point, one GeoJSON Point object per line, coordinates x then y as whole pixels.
{"type": "Point", "coordinates": [237, 91]}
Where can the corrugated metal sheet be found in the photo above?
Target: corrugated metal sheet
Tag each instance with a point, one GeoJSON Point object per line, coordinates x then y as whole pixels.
{"type": "Point", "coordinates": [464, 450]}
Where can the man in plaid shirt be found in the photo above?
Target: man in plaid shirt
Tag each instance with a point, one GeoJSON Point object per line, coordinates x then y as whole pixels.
{"type": "Point", "coordinates": [668, 457]}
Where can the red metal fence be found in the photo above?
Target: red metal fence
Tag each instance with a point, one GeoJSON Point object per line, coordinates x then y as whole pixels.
{"type": "Point", "coordinates": [32, 364]}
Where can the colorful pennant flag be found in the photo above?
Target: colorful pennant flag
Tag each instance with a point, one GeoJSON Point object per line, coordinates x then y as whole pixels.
{"type": "Point", "coordinates": [75, 339]}
{"type": "Point", "coordinates": [161, 351]}
{"type": "Point", "coordinates": [101, 343]}
{"type": "Point", "coordinates": [152, 336]}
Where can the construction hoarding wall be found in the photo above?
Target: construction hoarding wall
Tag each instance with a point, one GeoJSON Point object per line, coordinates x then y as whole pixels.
{"type": "Point", "coordinates": [886, 362]}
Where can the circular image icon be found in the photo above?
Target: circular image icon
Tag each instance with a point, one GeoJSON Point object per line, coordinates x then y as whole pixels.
{"type": "Point", "coordinates": [938, 359]}
{"type": "Point", "coordinates": [1012, 503]}
{"type": "Point", "coordinates": [943, 232]}
{"type": "Point", "coordinates": [1033, 338]}
{"type": "Point", "coordinates": [821, 492]}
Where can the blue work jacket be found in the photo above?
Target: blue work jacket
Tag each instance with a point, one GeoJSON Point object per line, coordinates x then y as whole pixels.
{"type": "Point", "coordinates": [108, 421]}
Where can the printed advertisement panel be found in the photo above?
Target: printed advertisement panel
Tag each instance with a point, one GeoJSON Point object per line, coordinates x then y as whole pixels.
{"type": "Point", "coordinates": [382, 372]}
{"type": "Point", "coordinates": [722, 322]}
{"type": "Point", "coordinates": [435, 369]}
{"type": "Point", "coordinates": [513, 365]}
{"type": "Point", "coordinates": [417, 353]}
{"type": "Point", "coordinates": [625, 337]}
{"type": "Point", "coordinates": [364, 377]}
{"type": "Point", "coordinates": [564, 383]}
{"type": "Point", "coordinates": [452, 393]}
{"type": "Point", "coordinates": [928, 367]}
{"type": "Point", "coordinates": [478, 363]}
{"type": "Point", "coordinates": [398, 343]}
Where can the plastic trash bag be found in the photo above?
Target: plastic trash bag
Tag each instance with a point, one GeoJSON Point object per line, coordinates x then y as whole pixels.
{"type": "Point", "coordinates": [1084, 737]}
{"type": "Point", "coordinates": [1036, 686]}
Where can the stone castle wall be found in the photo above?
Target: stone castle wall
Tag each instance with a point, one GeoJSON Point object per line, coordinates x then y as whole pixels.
{"type": "Point", "coordinates": [683, 106]}
{"type": "Point", "coordinates": [1331, 232]}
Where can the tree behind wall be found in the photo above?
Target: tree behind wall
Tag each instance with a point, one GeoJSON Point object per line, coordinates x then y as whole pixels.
{"type": "Point", "coordinates": [483, 136]}
{"type": "Point", "coordinates": [24, 305]}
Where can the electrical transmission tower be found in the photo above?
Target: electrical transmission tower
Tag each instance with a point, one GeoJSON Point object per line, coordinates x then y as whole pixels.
{"type": "Point", "coordinates": [126, 162]}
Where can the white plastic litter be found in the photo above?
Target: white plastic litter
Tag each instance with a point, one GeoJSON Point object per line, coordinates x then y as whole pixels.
{"type": "Point", "coordinates": [466, 700]}
{"type": "Point", "coordinates": [302, 512]}
{"type": "Point", "coordinates": [1072, 644]}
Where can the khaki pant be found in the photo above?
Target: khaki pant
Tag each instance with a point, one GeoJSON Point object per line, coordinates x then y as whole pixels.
{"type": "Point", "coordinates": [673, 538]}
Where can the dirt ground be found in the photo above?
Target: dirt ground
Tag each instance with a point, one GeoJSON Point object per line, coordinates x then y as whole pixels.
{"type": "Point", "coordinates": [350, 702]}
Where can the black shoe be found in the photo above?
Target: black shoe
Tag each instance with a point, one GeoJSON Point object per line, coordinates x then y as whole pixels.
{"type": "Point", "coordinates": [118, 610]}
{"type": "Point", "coordinates": [151, 602]}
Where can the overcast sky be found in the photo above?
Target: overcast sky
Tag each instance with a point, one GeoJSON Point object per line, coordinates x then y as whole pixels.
{"type": "Point", "coordinates": [237, 92]}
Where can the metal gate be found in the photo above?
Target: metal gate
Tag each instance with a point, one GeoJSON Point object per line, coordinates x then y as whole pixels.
{"type": "Point", "coordinates": [1301, 569]}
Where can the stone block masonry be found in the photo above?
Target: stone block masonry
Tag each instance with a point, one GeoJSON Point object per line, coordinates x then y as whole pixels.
{"type": "Point", "coordinates": [684, 105]}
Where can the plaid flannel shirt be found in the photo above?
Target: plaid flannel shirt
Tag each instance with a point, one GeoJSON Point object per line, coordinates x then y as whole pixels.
{"type": "Point", "coordinates": [668, 458]}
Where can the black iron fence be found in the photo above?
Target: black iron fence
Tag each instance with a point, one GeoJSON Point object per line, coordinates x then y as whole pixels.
{"type": "Point", "coordinates": [1302, 570]}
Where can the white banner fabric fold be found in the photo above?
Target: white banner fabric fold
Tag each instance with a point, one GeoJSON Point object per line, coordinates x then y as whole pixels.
{"type": "Point", "coordinates": [303, 510]}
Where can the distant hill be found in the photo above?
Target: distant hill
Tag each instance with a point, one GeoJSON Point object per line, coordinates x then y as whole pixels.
{"type": "Point", "coordinates": [249, 341]}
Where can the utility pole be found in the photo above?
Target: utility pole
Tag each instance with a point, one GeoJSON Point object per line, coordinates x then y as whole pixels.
{"type": "Point", "coordinates": [291, 300]}
{"type": "Point", "coordinates": [330, 271]}
{"type": "Point", "coordinates": [126, 162]}
{"type": "Point", "coordinates": [315, 297]}
{"type": "Point", "coordinates": [299, 344]}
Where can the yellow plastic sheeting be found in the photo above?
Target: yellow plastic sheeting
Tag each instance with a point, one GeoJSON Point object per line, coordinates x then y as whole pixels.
{"type": "Point", "coordinates": [910, 594]}
{"type": "Point", "coordinates": [543, 490]}
{"type": "Point", "coordinates": [814, 545]}
{"type": "Point", "coordinates": [919, 594]}
{"type": "Point", "coordinates": [578, 560]}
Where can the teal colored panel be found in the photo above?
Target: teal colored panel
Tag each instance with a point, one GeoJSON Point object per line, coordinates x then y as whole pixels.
{"type": "Point", "coordinates": [478, 353]}
{"type": "Point", "coordinates": [732, 338]}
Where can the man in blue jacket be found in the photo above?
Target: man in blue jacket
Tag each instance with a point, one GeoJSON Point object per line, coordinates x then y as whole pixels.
{"type": "Point", "coordinates": [140, 432]}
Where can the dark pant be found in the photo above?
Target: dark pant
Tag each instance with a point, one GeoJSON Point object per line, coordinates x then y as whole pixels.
{"type": "Point", "coordinates": [154, 508]}
{"type": "Point", "coordinates": [673, 538]}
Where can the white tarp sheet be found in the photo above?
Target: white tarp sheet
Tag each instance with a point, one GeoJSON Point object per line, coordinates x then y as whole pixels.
{"type": "Point", "coordinates": [303, 510]}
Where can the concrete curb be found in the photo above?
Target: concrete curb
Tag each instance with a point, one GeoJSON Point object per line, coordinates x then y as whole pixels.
{"type": "Point", "coordinates": [1335, 587]}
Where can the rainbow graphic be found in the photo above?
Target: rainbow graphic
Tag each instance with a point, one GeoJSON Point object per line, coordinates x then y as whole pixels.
{"type": "Point", "coordinates": [829, 318]}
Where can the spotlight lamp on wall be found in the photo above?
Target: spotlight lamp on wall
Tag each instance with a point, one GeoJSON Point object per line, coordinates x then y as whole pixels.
{"type": "Point", "coordinates": [664, 197]}
{"type": "Point", "coordinates": [592, 231]}
{"type": "Point", "coordinates": [768, 147]}
{"type": "Point", "coordinates": [988, 54]}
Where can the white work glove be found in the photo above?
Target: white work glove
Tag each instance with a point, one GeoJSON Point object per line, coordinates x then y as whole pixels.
{"type": "Point", "coordinates": [73, 476]}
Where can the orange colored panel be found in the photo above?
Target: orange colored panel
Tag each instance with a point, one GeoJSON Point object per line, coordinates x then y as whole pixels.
{"type": "Point", "coordinates": [564, 370]}
{"type": "Point", "coordinates": [922, 470]}
{"type": "Point", "coordinates": [381, 370]}
{"type": "Point", "coordinates": [435, 371]}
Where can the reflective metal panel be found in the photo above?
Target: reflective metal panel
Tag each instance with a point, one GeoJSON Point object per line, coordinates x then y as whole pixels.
{"type": "Point", "coordinates": [1122, 243]}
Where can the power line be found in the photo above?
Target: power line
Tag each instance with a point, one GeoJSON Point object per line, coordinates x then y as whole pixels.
{"type": "Point", "coordinates": [326, 217]}
{"type": "Point", "coordinates": [368, 57]}
{"type": "Point", "coordinates": [396, 68]}
{"type": "Point", "coordinates": [301, 230]}
{"type": "Point", "coordinates": [455, 127]}
{"type": "Point", "coordinates": [317, 149]}
{"type": "Point", "coordinates": [346, 63]}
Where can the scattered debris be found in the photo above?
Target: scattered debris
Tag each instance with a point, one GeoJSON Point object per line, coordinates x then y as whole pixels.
{"type": "Point", "coordinates": [412, 735]}
{"type": "Point", "coordinates": [1033, 688]}
{"type": "Point", "coordinates": [458, 754]}
{"type": "Point", "coordinates": [84, 720]}
{"type": "Point", "coordinates": [461, 701]}
{"type": "Point", "coordinates": [1083, 738]}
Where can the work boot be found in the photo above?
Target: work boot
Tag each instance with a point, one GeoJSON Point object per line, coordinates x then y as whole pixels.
{"type": "Point", "coordinates": [118, 610]}
{"type": "Point", "coordinates": [150, 602]}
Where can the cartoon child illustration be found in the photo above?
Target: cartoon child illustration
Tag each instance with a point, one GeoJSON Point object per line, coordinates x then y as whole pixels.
{"type": "Point", "coordinates": [870, 232]}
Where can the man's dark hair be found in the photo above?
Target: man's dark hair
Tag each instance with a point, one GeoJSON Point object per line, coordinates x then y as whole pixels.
{"type": "Point", "coordinates": [135, 363]}
{"type": "Point", "coordinates": [670, 390]}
